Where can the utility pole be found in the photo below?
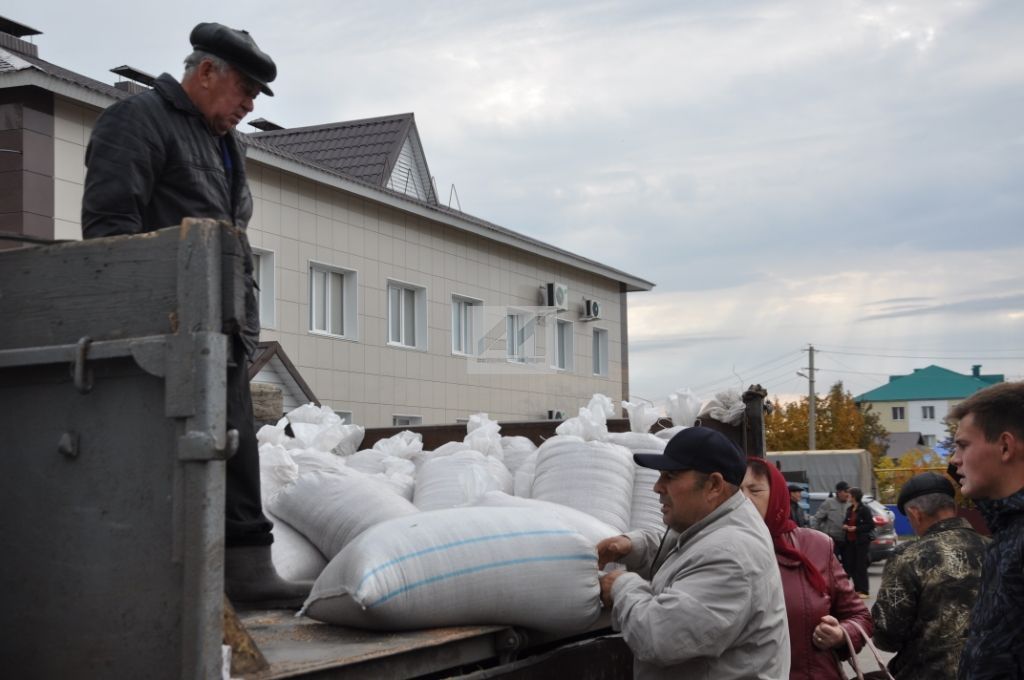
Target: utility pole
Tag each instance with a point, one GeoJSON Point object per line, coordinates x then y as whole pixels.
{"type": "Point", "coordinates": [811, 413]}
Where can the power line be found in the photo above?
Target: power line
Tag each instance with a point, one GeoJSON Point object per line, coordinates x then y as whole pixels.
{"type": "Point", "coordinates": [960, 351]}
{"type": "Point", "coordinates": [793, 356]}
{"type": "Point", "coordinates": [711, 386]}
{"type": "Point", "coordinates": [907, 356]}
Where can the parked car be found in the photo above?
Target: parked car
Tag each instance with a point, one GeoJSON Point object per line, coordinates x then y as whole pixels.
{"type": "Point", "coordinates": [884, 544]}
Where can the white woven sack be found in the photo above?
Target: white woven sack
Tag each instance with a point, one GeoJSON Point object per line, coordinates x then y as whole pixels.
{"type": "Point", "coordinates": [458, 479]}
{"type": "Point", "coordinates": [593, 529]}
{"type": "Point", "coordinates": [294, 557]}
{"type": "Point", "coordinates": [645, 509]}
{"type": "Point", "coordinates": [593, 477]}
{"type": "Point", "coordinates": [462, 566]}
{"type": "Point", "coordinates": [645, 512]}
{"type": "Point", "coordinates": [515, 451]}
{"type": "Point", "coordinates": [332, 508]}
{"type": "Point", "coordinates": [523, 486]}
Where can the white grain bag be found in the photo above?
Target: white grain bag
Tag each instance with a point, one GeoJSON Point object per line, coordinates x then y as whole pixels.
{"type": "Point", "coordinates": [458, 479]}
{"type": "Point", "coordinates": [593, 477]}
{"type": "Point", "coordinates": [593, 529]}
{"type": "Point", "coordinates": [332, 508]}
{"type": "Point", "coordinates": [645, 510]}
{"type": "Point", "coordinates": [462, 566]}
{"type": "Point", "coordinates": [294, 557]}
{"type": "Point", "coordinates": [515, 451]}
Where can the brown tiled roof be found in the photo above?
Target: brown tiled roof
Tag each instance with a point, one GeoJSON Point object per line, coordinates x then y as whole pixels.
{"type": "Point", "coordinates": [365, 149]}
{"type": "Point", "coordinates": [74, 78]}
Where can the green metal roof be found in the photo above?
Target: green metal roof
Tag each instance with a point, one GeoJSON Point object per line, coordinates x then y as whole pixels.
{"type": "Point", "coordinates": [933, 382]}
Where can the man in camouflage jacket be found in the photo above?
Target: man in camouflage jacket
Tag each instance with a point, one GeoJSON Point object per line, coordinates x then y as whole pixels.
{"type": "Point", "coordinates": [928, 588]}
{"type": "Point", "coordinates": [989, 455]}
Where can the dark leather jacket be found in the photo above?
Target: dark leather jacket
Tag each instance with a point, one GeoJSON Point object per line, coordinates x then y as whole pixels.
{"type": "Point", "coordinates": [995, 640]}
{"type": "Point", "coordinates": [152, 161]}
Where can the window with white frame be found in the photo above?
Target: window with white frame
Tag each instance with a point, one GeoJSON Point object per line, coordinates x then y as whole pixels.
{"type": "Point", "coordinates": [332, 300]}
{"type": "Point", "coordinates": [562, 345]}
{"type": "Point", "coordinates": [519, 338]}
{"type": "Point", "coordinates": [407, 315]}
{"type": "Point", "coordinates": [930, 440]}
{"type": "Point", "coordinates": [898, 413]}
{"type": "Point", "coordinates": [928, 413]}
{"type": "Point", "coordinates": [266, 292]}
{"type": "Point", "coordinates": [346, 417]}
{"type": "Point", "coordinates": [399, 420]}
{"type": "Point", "coordinates": [466, 325]}
{"type": "Point", "coordinates": [600, 351]}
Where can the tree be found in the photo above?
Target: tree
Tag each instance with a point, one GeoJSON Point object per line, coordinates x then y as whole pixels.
{"type": "Point", "coordinates": [840, 424]}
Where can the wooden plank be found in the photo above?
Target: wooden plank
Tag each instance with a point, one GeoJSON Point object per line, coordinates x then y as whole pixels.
{"type": "Point", "coordinates": [107, 288]}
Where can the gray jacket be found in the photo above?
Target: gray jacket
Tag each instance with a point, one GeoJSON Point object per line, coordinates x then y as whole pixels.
{"type": "Point", "coordinates": [830, 518]}
{"type": "Point", "coordinates": [714, 608]}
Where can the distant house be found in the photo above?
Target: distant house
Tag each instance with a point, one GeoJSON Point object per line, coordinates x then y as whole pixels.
{"type": "Point", "coordinates": [394, 308]}
{"type": "Point", "coordinates": [920, 401]}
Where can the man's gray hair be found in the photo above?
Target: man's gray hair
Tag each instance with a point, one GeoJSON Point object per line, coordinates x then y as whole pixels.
{"type": "Point", "coordinates": [931, 503]}
{"type": "Point", "coordinates": [193, 60]}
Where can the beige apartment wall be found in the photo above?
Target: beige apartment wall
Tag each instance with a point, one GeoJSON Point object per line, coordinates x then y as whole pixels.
{"type": "Point", "coordinates": [301, 221]}
{"type": "Point", "coordinates": [884, 411]}
{"type": "Point", "coordinates": [72, 125]}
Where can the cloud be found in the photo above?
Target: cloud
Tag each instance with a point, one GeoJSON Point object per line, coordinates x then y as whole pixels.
{"type": "Point", "coordinates": [1014, 304]}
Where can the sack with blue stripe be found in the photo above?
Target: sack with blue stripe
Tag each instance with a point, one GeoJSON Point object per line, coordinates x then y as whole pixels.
{"type": "Point", "coordinates": [462, 566]}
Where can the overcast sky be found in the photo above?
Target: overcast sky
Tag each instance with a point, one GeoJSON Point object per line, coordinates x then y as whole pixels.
{"type": "Point", "coordinates": [842, 173]}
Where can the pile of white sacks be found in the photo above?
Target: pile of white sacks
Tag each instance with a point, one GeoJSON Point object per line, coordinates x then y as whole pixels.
{"type": "Point", "coordinates": [488, 530]}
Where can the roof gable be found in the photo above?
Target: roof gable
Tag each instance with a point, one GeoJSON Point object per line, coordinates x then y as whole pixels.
{"type": "Point", "coordinates": [933, 382]}
{"type": "Point", "coordinates": [384, 151]}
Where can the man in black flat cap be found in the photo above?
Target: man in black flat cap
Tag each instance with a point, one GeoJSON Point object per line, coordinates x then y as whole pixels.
{"type": "Point", "coordinates": [170, 153]}
{"type": "Point", "coordinates": [929, 586]}
{"type": "Point", "coordinates": [713, 606]}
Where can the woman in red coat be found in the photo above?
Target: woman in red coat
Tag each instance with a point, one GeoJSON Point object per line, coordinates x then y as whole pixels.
{"type": "Point", "coordinates": [820, 600]}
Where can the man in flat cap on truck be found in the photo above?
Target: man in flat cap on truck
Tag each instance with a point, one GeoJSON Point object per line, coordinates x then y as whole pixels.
{"type": "Point", "coordinates": [170, 153]}
{"type": "Point", "coordinates": [928, 587]}
{"type": "Point", "coordinates": [713, 607]}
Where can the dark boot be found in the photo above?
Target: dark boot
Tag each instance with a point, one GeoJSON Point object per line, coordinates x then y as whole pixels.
{"type": "Point", "coordinates": [251, 581]}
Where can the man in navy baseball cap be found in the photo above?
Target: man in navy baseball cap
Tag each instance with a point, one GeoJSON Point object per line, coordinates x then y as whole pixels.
{"type": "Point", "coordinates": [718, 551]}
{"type": "Point", "coordinates": [701, 449]}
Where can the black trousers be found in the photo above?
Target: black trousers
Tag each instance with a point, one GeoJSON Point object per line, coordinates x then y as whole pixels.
{"type": "Point", "coordinates": [855, 562]}
{"type": "Point", "coordinates": [245, 523]}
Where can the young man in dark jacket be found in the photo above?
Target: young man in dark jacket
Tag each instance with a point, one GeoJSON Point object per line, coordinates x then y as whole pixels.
{"type": "Point", "coordinates": [170, 153]}
{"type": "Point", "coordinates": [989, 456]}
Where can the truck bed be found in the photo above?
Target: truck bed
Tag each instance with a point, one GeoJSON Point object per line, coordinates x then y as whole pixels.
{"type": "Point", "coordinates": [301, 647]}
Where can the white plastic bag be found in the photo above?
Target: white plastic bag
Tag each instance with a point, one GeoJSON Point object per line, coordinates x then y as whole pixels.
{"type": "Point", "coordinates": [483, 435]}
{"type": "Point", "coordinates": [405, 444]}
{"type": "Point", "coordinates": [523, 481]}
{"type": "Point", "coordinates": [683, 407]}
{"type": "Point", "coordinates": [641, 416]}
{"type": "Point", "coordinates": [277, 470]}
{"type": "Point", "coordinates": [463, 566]}
{"type": "Point", "coordinates": [725, 407]}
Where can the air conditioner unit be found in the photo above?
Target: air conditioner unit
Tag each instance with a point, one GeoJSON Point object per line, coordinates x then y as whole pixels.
{"type": "Point", "coordinates": [556, 415]}
{"type": "Point", "coordinates": [591, 310]}
{"type": "Point", "coordinates": [555, 295]}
